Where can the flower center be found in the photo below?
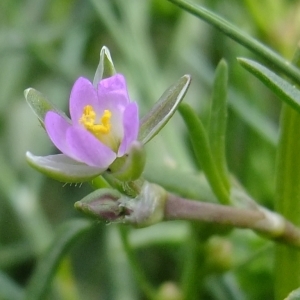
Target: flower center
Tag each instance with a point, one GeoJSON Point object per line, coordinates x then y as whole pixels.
{"type": "Point", "coordinates": [88, 120]}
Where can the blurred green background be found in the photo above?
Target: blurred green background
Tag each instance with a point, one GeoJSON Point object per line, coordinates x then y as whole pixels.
{"type": "Point", "coordinates": [48, 45]}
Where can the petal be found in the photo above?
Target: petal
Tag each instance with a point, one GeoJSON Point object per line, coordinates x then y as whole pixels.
{"type": "Point", "coordinates": [56, 126]}
{"type": "Point", "coordinates": [88, 149]}
{"type": "Point", "coordinates": [83, 93]}
{"type": "Point", "coordinates": [62, 168]}
{"type": "Point", "coordinates": [112, 93]}
{"type": "Point", "coordinates": [131, 127]}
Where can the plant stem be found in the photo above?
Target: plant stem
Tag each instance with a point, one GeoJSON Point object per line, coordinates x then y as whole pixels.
{"type": "Point", "coordinates": [265, 222]}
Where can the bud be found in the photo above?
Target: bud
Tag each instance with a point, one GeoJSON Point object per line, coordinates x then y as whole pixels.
{"type": "Point", "coordinates": [102, 204]}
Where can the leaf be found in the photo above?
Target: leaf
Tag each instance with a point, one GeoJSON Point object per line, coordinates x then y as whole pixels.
{"type": "Point", "coordinates": [67, 234]}
{"type": "Point", "coordinates": [242, 38]}
{"type": "Point", "coordinates": [62, 168]}
{"type": "Point", "coordinates": [218, 121]}
{"type": "Point", "coordinates": [163, 109]}
{"type": "Point", "coordinates": [203, 153]}
{"type": "Point", "coordinates": [284, 90]}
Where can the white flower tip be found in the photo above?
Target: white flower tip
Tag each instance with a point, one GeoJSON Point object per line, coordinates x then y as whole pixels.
{"type": "Point", "coordinates": [27, 91]}
{"type": "Point", "coordinates": [105, 51]}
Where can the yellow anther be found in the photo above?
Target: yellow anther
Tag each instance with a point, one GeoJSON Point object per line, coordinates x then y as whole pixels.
{"type": "Point", "coordinates": [88, 120]}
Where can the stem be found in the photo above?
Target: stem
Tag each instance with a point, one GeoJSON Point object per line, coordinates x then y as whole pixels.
{"type": "Point", "coordinates": [265, 222]}
{"type": "Point", "coordinates": [137, 270]}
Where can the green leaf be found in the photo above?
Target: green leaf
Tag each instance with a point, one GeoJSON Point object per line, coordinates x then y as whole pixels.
{"type": "Point", "coordinates": [40, 105]}
{"type": "Point", "coordinates": [9, 290]}
{"type": "Point", "coordinates": [203, 153]}
{"type": "Point", "coordinates": [62, 168]}
{"type": "Point", "coordinates": [67, 234]}
{"type": "Point", "coordinates": [242, 38]}
{"type": "Point", "coordinates": [218, 121]}
{"type": "Point", "coordinates": [284, 90]}
{"type": "Point", "coordinates": [105, 67]}
{"type": "Point", "coordinates": [163, 110]}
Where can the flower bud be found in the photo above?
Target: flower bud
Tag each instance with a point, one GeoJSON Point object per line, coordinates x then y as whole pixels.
{"type": "Point", "coordinates": [101, 204]}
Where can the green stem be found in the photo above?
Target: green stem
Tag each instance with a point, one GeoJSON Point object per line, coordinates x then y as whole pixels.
{"type": "Point", "coordinates": [137, 270]}
{"type": "Point", "coordinates": [242, 38]}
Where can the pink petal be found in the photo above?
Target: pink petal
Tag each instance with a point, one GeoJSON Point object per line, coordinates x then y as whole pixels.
{"type": "Point", "coordinates": [112, 93]}
{"type": "Point", "coordinates": [131, 127]}
{"type": "Point", "coordinates": [56, 126]}
{"type": "Point", "coordinates": [83, 93]}
{"type": "Point", "coordinates": [88, 149]}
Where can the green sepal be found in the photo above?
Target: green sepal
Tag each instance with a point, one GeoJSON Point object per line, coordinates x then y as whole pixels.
{"type": "Point", "coordinates": [102, 204]}
{"type": "Point", "coordinates": [62, 168]}
{"type": "Point", "coordinates": [132, 165]}
{"type": "Point", "coordinates": [105, 67]}
{"type": "Point", "coordinates": [163, 109]}
{"type": "Point", "coordinates": [284, 90]}
{"type": "Point", "coordinates": [203, 153]}
{"type": "Point", "coordinates": [40, 105]}
{"type": "Point", "coordinates": [218, 121]}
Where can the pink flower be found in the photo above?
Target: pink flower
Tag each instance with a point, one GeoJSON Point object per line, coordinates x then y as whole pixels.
{"type": "Point", "coordinates": [103, 126]}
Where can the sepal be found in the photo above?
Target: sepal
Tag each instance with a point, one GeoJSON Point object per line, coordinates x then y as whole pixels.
{"type": "Point", "coordinates": [105, 67]}
{"type": "Point", "coordinates": [163, 109]}
{"type": "Point", "coordinates": [131, 166]}
{"type": "Point", "coordinates": [40, 104]}
{"type": "Point", "coordinates": [62, 168]}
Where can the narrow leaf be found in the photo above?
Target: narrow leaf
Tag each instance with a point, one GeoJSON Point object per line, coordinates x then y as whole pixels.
{"type": "Point", "coordinates": [203, 153]}
{"type": "Point", "coordinates": [48, 263]}
{"type": "Point", "coordinates": [163, 110]}
{"type": "Point", "coordinates": [218, 121]}
{"type": "Point", "coordinates": [284, 90]}
{"type": "Point", "coordinates": [242, 38]}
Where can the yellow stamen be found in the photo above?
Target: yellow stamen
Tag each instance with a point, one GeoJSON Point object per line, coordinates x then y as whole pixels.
{"type": "Point", "coordinates": [88, 120]}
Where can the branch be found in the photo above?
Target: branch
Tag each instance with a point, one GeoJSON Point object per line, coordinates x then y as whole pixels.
{"type": "Point", "coordinates": [263, 221]}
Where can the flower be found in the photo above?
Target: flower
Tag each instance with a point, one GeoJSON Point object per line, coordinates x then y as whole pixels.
{"type": "Point", "coordinates": [103, 126]}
